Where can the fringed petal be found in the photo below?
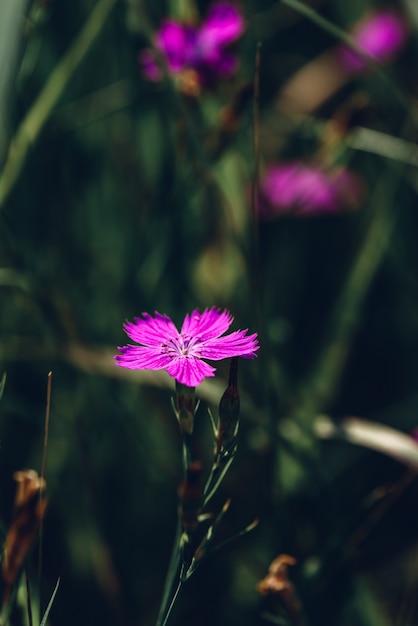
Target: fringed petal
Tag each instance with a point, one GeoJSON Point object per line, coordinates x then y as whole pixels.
{"type": "Point", "coordinates": [151, 331]}
{"type": "Point", "coordinates": [207, 325]}
{"type": "Point", "coordinates": [190, 371]}
{"type": "Point", "coordinates": [222, 26]}
{"type": "Point", "coordinates": [235, 344]}
{"type": "Point", "coordinates": [139, 358]}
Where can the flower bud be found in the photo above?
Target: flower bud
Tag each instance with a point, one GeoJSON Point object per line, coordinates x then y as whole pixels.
{"type": "Point", "coordinates": [190, 493]}
{"type": "Point", "coordinates": [185, 407]}
{"type": "Point", "coordinates": [24, 528]}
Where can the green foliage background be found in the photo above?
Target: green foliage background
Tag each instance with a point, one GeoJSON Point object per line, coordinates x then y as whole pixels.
{"type": "Point", "coordinates": [128, 196]}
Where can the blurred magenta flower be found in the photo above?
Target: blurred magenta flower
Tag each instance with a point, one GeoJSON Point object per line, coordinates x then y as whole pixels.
{"type": "Point", "coordinates": [202, 50]}
{"type": "Point", "coordinates": [181, 353]}
{"type": "Point", "coordinates": [381, 36]}
{"type": "Point", "coordinates": [306, 189]}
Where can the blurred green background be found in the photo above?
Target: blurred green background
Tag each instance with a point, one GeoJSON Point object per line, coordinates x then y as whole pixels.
{"type": "Point", "coordinates": [118, 196]}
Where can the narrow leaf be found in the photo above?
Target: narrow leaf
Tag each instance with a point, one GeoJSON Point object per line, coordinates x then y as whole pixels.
{"type": "Point", "coordinates": [50, 603]}
{"type": "Point", "coordinates": [371, 435]}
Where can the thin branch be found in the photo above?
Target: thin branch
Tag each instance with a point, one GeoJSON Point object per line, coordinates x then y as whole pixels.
{"type": "Point", "coordinates": [43, 468]}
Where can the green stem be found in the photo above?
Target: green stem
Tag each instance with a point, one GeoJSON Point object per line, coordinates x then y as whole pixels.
{"type": "Point", "coordinates": [173, 581]}
{"type": "Point", "coordinates": [184, 407]}
{"type": "Point", "coordinates": [216, 476]}
{"type": "Point", "coordinates": [167, 613]}
{"type": "Point", "coordinates": [186, 456]}
{"type": "Point", "coordinates": [53, 89]}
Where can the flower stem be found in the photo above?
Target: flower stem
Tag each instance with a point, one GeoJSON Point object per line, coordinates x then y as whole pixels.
{"type": "Point", "coordinates": [167, 613]}
{"type": "Point", "coordinates": [218, 471]}
{"type": "Point", "coordinates": [184, 407]}
{"type": "Point", "coordinates": [186, 454]}
{"type": "Point", "coordinates": [173, 581]}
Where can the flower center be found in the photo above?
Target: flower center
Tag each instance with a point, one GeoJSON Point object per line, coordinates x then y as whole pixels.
{"type": "Point", "coordinates": [179, 347]}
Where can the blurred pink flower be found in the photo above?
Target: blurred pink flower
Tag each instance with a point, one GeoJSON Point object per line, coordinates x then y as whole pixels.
{"type": "Point", "coordinates": [202, 49]}
{"type": "Point", "coordinates": [305, 189]}
{"type": "Point", "coordinates": [381, 36]}
{"type": "Point", "coordinates": [162, 346]}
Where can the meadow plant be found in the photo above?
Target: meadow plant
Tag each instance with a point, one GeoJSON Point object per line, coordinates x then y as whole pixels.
{"type": "Point", "coordinates": [162, 346]}
{"type": "Point", "coordinates": [197, 54]}
{"type": "Point", "coordinates": [305, 189]}
{"type": "Point", "coordinates": [22, 532]}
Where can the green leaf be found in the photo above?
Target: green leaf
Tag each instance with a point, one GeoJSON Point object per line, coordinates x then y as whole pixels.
{"type": "Point", "coordinates": [2, 384]}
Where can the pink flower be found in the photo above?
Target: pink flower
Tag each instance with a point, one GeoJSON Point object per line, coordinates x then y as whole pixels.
{"type": "Point", "coordinates": [162, 346]}
{"type": "Point", "coordinates": [381, 36]}
{"type": "Point", "coordinates": [305, 189]}
{"type": "Point", "coordinates": [201, 49]}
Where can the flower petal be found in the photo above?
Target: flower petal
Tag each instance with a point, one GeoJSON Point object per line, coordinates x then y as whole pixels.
{"type": "Point", "coordinates": [381, 36]}
{"type": "Point", "coordinates": [223, 25]}
{"type": "Point", "coordinates": [235, 344]}
{"type": "Point", "coordinates": [189, 371]}
{"type": "Point", "coordinates": [177, 42]}
{"type": "Point", "coordinates": [207, 325]}
{"type": "Point", "coordinates": [306, 189]}
{"type": "Point", "coordinates": [151, 331]}
{"type": "Point", "coordinates": [139, 357]}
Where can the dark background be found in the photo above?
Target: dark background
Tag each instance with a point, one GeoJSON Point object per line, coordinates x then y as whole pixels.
{"type": "Point", "coordinates": [132, 197]}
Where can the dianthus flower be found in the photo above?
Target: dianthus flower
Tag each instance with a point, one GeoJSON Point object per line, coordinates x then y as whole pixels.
{"type": "Point", "coordinates": [381, 36]}
{"type": "Point", "coordinates": [305, 189]}
{"type": "Point", "coordinates": [162, 346]}
{"type": "Point", "coordinates": [201, 51]}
